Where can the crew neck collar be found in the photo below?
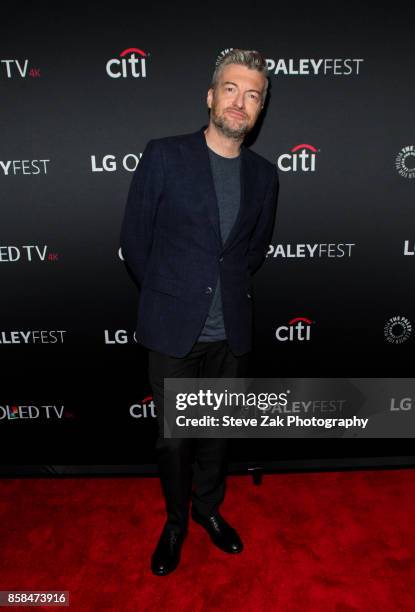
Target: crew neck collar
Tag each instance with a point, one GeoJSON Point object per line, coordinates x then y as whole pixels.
{"type": "Point", "coordinates": [223, 156]}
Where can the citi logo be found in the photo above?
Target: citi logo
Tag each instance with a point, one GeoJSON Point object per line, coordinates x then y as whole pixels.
{"type": "Point", "coordinates": [131, 63]}
{"type": "Point", "coordinates": [297, 329]}
{"type": "Point", "coordinates": [301, 158]}
{"type": "Point", "coordinates": [144, 409]}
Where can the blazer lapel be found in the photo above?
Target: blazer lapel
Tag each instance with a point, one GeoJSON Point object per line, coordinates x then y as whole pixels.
{"type": "Point", "coordinates": [247, 187]}
{"type": "Point", "coordinates": [200, 163]}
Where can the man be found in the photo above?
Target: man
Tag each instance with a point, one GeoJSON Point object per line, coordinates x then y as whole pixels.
{"type": "Point", "coordinates": [198, 221]}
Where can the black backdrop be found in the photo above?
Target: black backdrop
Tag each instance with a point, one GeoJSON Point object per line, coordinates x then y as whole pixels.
{"type": "Point", "coordinates": [75, 120]}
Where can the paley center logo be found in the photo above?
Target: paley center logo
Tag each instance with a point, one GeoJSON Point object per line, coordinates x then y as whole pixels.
{"type": "Point", "coordinates": [298, 328]}
{"type": "Point", "coordinates": [405, 162]}
{"type": "Point", "coordinates": [301, 158]}
{"type": "Point", "coordinates": [130, 63]}
{"type": "Point", "coordinates": [397, 329]}
{"type": "Point", "coordinates": [144, 409]}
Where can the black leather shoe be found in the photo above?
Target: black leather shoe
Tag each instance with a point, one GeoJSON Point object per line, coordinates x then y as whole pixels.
{"type": "Point", "coordinates": [166, 556]}
{"type": "Point", "coordinates": [221, 533]}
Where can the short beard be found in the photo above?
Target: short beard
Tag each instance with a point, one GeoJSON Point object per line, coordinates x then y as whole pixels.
{"type": "Point", "coordinates": [230, 132]}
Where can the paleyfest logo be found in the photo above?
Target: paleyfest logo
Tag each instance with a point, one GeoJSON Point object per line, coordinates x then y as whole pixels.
{"type": "Point", "coordinates": [131, 63]}
{"type": "Point", "coordinates": [405, 162]}
{"type": "Point", "coordinates": [309, 66]}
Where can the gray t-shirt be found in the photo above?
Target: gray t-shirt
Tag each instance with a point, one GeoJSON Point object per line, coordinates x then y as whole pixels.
{"type": "Point", "coordinates": [226, 178]}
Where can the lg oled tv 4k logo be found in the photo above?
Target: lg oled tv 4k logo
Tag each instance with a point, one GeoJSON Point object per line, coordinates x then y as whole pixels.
{"type": "Point", "coordinates": [110, 163]}
{"type": "Point", "coordinates": [14, 68]}
{"type": "Point", "coordinates": [301, 158]}
{"type": "Point", "coordinates": [298, 328]}
{"type": "Point", "coordinates": [41, 412]}
{"type": "Point", "coordinates": [10, 253]}
{"type": "Point", "coordinates": [130, 63]}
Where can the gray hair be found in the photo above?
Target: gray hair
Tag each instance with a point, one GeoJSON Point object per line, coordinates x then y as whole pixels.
{"type": "Point", "coordinates": [251, 59]}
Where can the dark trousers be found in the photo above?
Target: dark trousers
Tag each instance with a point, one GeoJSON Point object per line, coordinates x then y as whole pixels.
{"type": "Point", "coordinates": [204, 459]}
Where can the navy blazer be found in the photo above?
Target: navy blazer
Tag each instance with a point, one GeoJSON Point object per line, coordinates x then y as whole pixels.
{"type": "Point", "coordinates": [171, 241]}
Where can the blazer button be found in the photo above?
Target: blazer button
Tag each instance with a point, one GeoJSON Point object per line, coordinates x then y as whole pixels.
{"type": "Point", "coordinates": [221, 259]}
{"type": "Point", "coordinates": [248, 294]}
{"type": "Point", "coordinates": [208, 290]}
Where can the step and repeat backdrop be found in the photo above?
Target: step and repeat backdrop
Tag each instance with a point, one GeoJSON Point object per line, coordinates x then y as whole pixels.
{"type": "Point", "coordinates": [81, 95]}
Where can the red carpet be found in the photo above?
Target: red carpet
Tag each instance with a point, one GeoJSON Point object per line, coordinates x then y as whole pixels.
{"type": "Point", "coordinates": [339, 541]}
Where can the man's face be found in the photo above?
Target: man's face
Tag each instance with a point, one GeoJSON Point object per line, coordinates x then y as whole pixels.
{"type": "Point", "coordinates": [236, 101]}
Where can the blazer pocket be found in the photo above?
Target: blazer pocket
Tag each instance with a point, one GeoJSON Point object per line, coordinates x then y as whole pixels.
{"type": "Point", "coordinates": [163, 284]}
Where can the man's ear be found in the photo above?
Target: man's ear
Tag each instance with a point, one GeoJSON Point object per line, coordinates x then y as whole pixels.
{"type": "Point", "coordinates": [209, 95]}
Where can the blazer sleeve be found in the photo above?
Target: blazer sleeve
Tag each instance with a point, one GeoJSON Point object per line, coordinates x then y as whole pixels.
{"type": "Point", "coordinates": [262, 234]}
{"type": "Point", "coordinates": [143, 199]}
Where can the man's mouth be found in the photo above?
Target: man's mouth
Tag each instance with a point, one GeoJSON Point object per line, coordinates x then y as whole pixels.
{"type": "Point", "coordinates": [236, 113]}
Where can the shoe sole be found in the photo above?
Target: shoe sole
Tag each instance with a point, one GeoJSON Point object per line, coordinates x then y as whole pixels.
{"type": "Point", "coordinates": [164, 573]}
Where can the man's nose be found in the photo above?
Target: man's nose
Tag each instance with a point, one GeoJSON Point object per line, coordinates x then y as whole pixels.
{"type": "Point", "coordinates": [239, 100]}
